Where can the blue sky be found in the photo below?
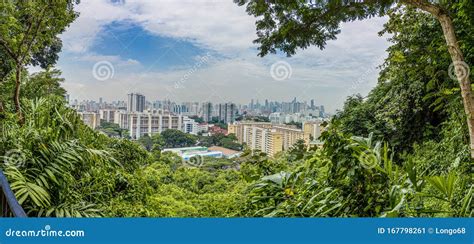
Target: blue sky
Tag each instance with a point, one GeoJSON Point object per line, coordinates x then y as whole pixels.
{"type": "Point", "coordinates": [131, 41]}
{"type": "Point", "coordinates": [205, 47]}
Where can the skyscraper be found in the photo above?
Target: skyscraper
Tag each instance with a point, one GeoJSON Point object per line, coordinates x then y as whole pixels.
{"type": "Point", "coordinates": [321, 111]}
{"type": "Point", "coordinates": [207, 111]}
{"type": "Point", "coordinates": [227, 112]}
{"type": "Point", "coordinates": [136, 102]}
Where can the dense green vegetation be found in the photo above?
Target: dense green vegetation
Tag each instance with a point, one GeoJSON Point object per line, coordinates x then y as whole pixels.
{"type": "Point", "coordinates": [401, 151]}
{"type": "Point", "coordinates": [218, 139]}
{"type": "Point", "coordinates": [288, 26]}
{"type": "Point", "coordinates": [112, 129]}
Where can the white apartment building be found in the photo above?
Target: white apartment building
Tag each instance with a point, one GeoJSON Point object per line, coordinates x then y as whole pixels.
{"type": "Point", "coordinates": [276, 118]}
{"type": "Point", "coordinates": [91, 119]}
{"type": "Point", "coordinates": [149, 122]}
{"type": "Point", "coordinates": [282, 118]}
{"type": "Point", "coordinates": [190, 126]}
{"type": "Point", "coordinates": [140, 124]}
{"type": "Point", "coordinates": [110, 115]}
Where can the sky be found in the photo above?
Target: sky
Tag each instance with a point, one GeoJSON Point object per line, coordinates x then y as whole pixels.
{"type": "Point", "coordinates": [202, 50]}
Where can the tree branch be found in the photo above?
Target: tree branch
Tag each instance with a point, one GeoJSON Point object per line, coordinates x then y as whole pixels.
{"type": "Point", "coordinates": [30, 24]}
{"type": "Point", "coordinates": [7, 49]}
{"type": "Point", "coordinates": [425, 6]}
{"type": "Point", "coordinates": [30, 44]}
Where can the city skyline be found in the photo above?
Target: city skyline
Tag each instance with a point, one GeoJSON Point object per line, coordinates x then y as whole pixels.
{"type": "Point", "coordinates": [141, 118]}
{"type": "Point", "coordinates": [118, 46]}
{"type": "Point", "coordinates": [259, 101]}
{"type": "Point", "coordinates": [152, 103]}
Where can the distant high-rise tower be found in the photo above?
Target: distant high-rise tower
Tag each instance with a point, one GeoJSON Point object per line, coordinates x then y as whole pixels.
{"type": "Point", "coordinates": [321, 111]}
{"type": "Point", "coordinates": [136, 102]}
{"type": "Point", "coordinates": [207, 111]}
{"type": "Point", "coordinates": [227, 112]}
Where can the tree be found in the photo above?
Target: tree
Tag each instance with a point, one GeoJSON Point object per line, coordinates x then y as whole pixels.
{"type": "Point", "coordinates": [414, 96]}
{"type": "Point", "coordinates": [289, 25]}
{"type": "Point", "coordinates": [43, 84]}
{"type": "Point", "coordinates": [154, 142]}
{"type": "Point", "coordinates": [28, 34]}
{"type": "Point", "coordinates": [177, 138]}
{"type": "Point", "coordinates": [5, 69]}
{"type": "Point", "coordinates": [55, 147]}
{"type": "Point", "coordinates": [355, 117]}
{"type": "Point", "coordinates": [197, 119]}
{"type": "Point", "coordinates": [112, 129]}
{"type": "Point", "coordinates": [229, 143]}
{"type": "Point", "coordinates": [219, 139]}
{"type": "Point", "coordinates": [232, 136]}
{"type": "Point", "coordinates": [146, 142]}
{"type": "Point", "coordinates": [297, 151]}
{"type": "Point", "coordinates": [158, 141]}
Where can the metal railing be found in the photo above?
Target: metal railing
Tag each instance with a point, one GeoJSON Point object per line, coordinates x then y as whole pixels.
{"type": "Point", "coordinates": [9, 206]}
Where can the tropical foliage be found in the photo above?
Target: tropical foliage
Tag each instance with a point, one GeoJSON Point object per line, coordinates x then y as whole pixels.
{"type": "Point", "coordinates": [401, 151]}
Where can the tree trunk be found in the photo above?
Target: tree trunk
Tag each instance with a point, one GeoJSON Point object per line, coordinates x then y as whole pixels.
{"type": "Point", "coordinates": [462, 71]}
{"type": "Point", "coordinates": [16, 96]}
{"type": "Point", "coordinates": [461, 68]}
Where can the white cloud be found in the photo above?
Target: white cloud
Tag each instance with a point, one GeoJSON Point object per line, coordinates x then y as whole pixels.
{"type": "Point", "coordinates": [114, 59]}
{"type": "Point", "coordinates": [218, 25]}
{"type": "Point", "coordinates": [94, 15]}
{"type": "Point", "coordinates": [232, 80]}
{"type": "Point", "coordinates": [327, 76]}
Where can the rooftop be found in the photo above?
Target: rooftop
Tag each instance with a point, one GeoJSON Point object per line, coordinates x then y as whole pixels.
{"type": "Point", "coordinates": [225, 151]}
